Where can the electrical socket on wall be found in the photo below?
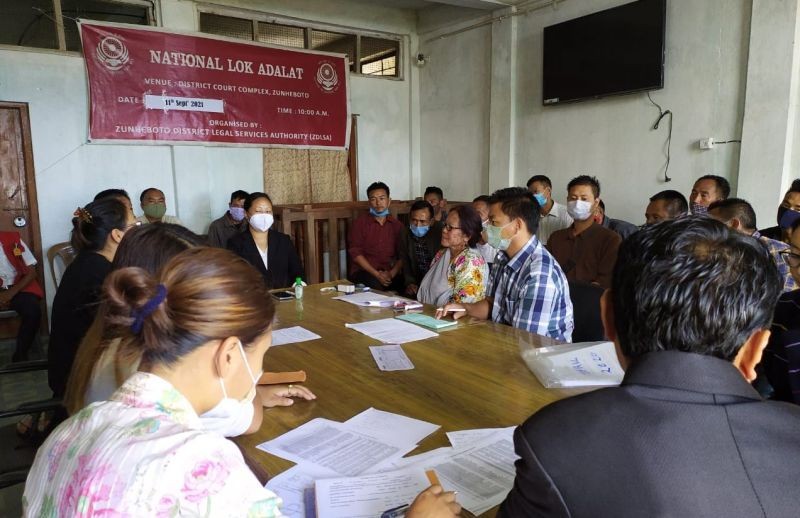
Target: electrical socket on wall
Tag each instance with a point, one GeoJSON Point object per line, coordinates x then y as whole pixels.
{"type": "Point", "coordinates": [707, 143]}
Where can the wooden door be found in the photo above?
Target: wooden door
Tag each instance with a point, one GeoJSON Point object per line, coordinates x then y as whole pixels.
{"type": "Point", "coordinates": [18, 206]}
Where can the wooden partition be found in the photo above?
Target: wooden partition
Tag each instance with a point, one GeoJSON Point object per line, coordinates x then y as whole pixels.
{"type": "Point", "coordinates": [319, 233]}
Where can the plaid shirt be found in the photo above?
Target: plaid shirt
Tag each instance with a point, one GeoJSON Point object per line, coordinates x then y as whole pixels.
{"type": "Point", "coordinates": [422, 254]}
{"type": "Point", "coordinates": [774, 248]}
{"type": "Point", "coordinates": [530, 291]}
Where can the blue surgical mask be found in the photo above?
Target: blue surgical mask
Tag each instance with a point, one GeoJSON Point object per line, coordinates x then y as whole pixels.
{"type": "Point", "coordinates": [541, 199]}
{"type": "Point", "coordinates": [237, 213]}
{"type": "Point", "coordinates": [419, 231]}
{"type": "Point", "coordinates": [495, 240]}
{"type": "Point", "coordinates": [381, 214]}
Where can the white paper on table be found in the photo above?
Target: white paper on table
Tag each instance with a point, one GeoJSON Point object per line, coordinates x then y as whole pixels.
{"type": "Point", "coordinates": [482, 474]}
{"type": "Point", "coordinates": [389, 427]}
{"type": "Point", "coordinates": [328, 445]}
{"type": "Point", "coordinates": [391, 357]}
{"type": "Point", "coordinates": [291, 335]}
{"type": "Point", "coordinates": [291, 485]}
{"type": "Point", "coordinates": [404, 462]}
{"type": "Point", "coordinates": [582, 364]}
{"type": "Point", "coordinates": [364, 299]}
{"type": "Point", "coordinates": [368, 496]}
{"type": "Point", "coordinates": [463, 439]}
{"type": "Point", "coordinates": [392, 331]}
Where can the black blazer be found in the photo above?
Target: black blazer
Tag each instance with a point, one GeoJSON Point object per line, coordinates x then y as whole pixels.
{"type": "Point", "coordinates": [684, 435]}
{"type": "Point", "coordinates": [284, 264]}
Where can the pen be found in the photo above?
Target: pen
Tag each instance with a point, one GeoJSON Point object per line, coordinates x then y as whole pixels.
{"type": "Point", "coordinates": [453, 310]}
{"type": "Point", "coordinates": [395, 512]}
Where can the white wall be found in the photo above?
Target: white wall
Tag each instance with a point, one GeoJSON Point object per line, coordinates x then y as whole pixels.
{"type": "Point", "coordinates": [454, 112]}
{"type": "Point", "coordinates": [611, 138]}
{"type": "Point", "coordinates": [197, 180]}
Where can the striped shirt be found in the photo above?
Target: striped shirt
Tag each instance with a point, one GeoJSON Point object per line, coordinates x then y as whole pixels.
{"type": "Point", "coordinates": [530, 292]}
{"type": "Point", "coordinates": [556, 219]}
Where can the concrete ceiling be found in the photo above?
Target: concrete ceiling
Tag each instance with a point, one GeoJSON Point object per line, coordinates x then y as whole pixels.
{"type": "Point", "coordinates": [422, 4]}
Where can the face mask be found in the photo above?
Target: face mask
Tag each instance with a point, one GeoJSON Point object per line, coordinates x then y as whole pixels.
{"type": "Point", "coordinates": [237, 213]}
{"type": "Point", "coordinates": [781, 211]}
{"type": "Point", "coordinates": [232, 417]}
{"type": "Point", "coordinates": [698, 209]}
{"type": "Point", "coordinates": [156, 210]}
{"type": "Point", "coordinates": [485, 224]}
{"type": "Point", "coordinates": [541, 199]}
{"type": "Point", "coordinates": [419, 231]}
{"type": "Point", "coordinates": [788, 218]}
{"type": "Point", "coordinates": [381, 214]}
{"type": "Point", "coordinates": [261, 221]}
{"type": "Point", "coordinates": [579, 210]}
{"type": "Point", "coordinates": [494, 239]}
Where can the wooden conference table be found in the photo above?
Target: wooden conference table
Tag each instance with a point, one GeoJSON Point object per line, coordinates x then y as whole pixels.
{"type": "Point", "coordinates": [470, 376]}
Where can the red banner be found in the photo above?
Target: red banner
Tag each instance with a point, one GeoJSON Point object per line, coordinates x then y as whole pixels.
{"type": "Point", "coordinates": [149, 85]}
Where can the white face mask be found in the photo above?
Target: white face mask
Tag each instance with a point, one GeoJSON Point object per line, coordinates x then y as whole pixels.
{"type": "Point", "coordinates": [579, 210]}
{"type": "Point", "coordinates": [232, 417]}
{"type": "Point", "coordinates": [261, 221]}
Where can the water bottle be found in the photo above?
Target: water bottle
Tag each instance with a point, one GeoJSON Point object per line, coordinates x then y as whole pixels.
{"type": "Point", "coordinates": [298, 288]}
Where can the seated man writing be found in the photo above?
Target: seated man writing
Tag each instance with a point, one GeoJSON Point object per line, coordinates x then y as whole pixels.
{"type": "Point", "coordinates": [526, 288]}
{"type": "Point", "coordinates": [373, 244]}
{"type": "Point", "coordinates": [684, 434]}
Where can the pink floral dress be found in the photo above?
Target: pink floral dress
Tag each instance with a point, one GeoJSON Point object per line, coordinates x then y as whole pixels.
{"type": "Point", "coordinates": [143, 453]}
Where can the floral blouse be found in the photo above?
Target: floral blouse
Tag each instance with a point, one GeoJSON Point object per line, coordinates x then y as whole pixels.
{"type": "Point", "coordinates": [142, 453]}
{"type": "Point", "coordinates": [466, 275]}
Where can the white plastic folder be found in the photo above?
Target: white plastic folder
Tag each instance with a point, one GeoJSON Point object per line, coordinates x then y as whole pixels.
{"type": "Point", "coordinates": [585, 364]}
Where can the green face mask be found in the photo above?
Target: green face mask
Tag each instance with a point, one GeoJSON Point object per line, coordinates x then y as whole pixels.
{"type": "Point", "coordinates": [156, 210]}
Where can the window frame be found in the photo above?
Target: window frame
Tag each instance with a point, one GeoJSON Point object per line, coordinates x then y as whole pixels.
{"type": "Point", "coordinates": [308, 26]}
{"type": "Point", "coordinates": [149, 5]}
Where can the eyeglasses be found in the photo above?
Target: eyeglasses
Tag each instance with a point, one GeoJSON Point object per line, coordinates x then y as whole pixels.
{"type": "Point", "coordinates": [791, 258]}
{"type": "Point", "coordinates": [449, 227]}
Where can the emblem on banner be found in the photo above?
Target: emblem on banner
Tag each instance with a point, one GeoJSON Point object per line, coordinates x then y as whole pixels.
{"type": "Point", "coordinates": [327, 79]}
{"type": "Point", "coordinates": [113, 53]}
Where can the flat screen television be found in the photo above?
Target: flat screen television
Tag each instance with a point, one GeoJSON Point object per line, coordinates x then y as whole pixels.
{"type": "Point", "coordinates": [611, 52]}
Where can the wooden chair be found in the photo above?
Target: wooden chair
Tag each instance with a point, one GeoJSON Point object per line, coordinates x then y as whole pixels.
{"type": "Point", "coordinates": [60, 256]}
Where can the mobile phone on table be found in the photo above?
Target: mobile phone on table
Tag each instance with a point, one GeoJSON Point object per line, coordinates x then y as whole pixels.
{"type": "Point", "coordinates": [283, 295]}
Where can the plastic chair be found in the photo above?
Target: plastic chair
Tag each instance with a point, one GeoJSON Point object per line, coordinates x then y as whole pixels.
{"type": "Point", "coordinates": [60, 256]}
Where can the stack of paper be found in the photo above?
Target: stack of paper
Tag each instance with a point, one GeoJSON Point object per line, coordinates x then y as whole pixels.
{"type": "Point", "coordinates": [325, 449]}
{"type": "Point", "coordinates": [368, 298]}
{"type": "Point", "coordinates": [574, 365]}
{"type": "Point", "coordinates": [479, 466]}
{"type": "Point", "coordinates": [392, 331]}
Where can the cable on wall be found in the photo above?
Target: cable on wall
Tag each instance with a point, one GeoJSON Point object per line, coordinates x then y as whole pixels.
{"type": "Point", "coordinates": [661, 114]}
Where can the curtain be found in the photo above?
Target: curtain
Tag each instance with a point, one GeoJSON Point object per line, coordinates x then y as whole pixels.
{"type": "Point", "coordinates": [293, 176]}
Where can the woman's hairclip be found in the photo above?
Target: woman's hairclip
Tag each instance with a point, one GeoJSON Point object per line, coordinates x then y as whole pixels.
{"type": "Point", "coordinates": [83, 215]}
{"type": "Point", "coordinates": [145, 311]}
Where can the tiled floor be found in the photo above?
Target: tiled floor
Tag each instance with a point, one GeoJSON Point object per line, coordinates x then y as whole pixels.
{"type": "Point", "coordinates": [16, 389]}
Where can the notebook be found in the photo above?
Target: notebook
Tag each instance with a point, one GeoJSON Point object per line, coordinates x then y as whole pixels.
{"type": "Point", "coordinates": [426, 321]}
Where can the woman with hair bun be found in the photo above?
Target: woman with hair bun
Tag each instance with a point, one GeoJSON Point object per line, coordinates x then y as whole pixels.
{"type": "Point", "coordinates": [97, 230]}
{"type": "Point", "coordinates": [143, 453]}
{"type": "Point", "coordinates": [103, 363]}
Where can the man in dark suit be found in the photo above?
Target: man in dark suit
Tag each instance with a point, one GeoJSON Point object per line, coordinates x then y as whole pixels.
{"type": "Point", "coordinates": [684, 434]}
